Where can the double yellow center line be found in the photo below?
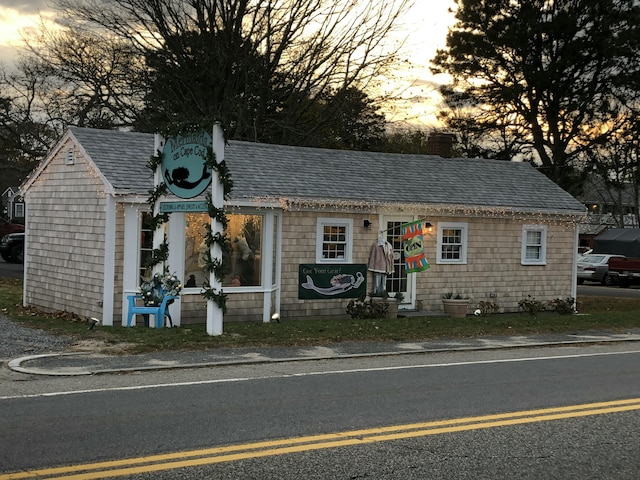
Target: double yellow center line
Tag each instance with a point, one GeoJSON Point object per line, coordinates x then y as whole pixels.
{"type": "Point", "coordinates": [210, 456]}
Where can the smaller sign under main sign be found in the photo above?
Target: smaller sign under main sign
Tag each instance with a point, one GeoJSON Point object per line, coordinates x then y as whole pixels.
{"type": "Point", "coordinates": [169, 207]}
{"type": "Point", "coordinates": [326, 281]}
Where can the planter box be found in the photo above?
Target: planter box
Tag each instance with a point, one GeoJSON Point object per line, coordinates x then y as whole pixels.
{"type": "Point", "coordinates": [455, 307]}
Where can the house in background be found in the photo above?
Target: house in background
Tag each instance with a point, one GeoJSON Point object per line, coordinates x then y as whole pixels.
{"type": "Point", "coordinates": [13, 205]}
{"type": "Point", "coordinates": [607, 208]}
{"type": "Point", "coordinates": [498, 230]}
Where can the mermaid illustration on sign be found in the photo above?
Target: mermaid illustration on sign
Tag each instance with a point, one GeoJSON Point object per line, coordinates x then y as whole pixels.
{"type": "Point", "coordinates": [179, 177]}
{"type": "Point", "coordinates": [339, 284]}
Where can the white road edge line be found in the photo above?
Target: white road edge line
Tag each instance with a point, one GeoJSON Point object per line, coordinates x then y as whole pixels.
{"type": "Point", "coordinates": [311, 374]}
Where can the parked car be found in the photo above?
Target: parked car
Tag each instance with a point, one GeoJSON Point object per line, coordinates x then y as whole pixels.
{"type": "Point", "coordinates": [594, 267]}
{"type": "Point", "coordinates": [6, 227]}
{"type": "Point", "coordinates": [12, 248]}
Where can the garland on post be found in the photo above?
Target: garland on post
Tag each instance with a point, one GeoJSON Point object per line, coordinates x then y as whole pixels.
{"type": "Point", "coordinates": [161, 254]}
{"type": "Point", "coordinates": [214, 265]}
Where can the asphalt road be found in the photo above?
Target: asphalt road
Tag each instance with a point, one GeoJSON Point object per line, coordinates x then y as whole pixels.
{"type": "Point", "coordinates": [263, 421]}
{"type": "Point", "coordinates": [602, 291]}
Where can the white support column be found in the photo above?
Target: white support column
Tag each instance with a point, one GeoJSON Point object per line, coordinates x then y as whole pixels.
{"type": "Point", "coordinates": [130, 271]}
{"type": "Point", "coordinates": [214, 312]}
{"type": "Point", "coordinates": [175, 234]}
{"type": "Point", "coordinates": [278, 261]}
{"type": "Point", "coordinates": [574, 273]}
{"type": "Point", "coordinates": [158, 234]}
{"type": "Point", "coordinates": [108, 286]}
{"type": "Point", "coordinates": [267, 265]}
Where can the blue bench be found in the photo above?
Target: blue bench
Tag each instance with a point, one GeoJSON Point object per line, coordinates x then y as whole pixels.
{"type": "Point", "coordinates": [159, 311]}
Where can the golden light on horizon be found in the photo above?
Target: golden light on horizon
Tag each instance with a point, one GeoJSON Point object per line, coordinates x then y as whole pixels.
{"type": "Point", "coordinates": [425, 27]}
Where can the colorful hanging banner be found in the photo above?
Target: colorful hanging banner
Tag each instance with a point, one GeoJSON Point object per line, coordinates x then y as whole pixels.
{"type": "Point", "coordinates": [414, 256]}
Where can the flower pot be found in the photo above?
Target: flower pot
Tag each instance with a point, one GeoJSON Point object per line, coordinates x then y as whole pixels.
{"type": "Point", "coordinates": [392, 312]}
{"type": "Point", "coordinates": [455, 307]}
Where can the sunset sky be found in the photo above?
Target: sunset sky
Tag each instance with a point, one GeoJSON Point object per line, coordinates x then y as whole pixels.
{"type": "Point", "coordinates": [426, 28]}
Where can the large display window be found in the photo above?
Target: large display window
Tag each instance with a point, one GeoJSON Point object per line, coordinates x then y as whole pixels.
{"type": "Point", "coordinates": [244, 234]}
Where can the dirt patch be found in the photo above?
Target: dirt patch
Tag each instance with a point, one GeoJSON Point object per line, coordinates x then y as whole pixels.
{"type": "Point", "coordinates": [100, 346]}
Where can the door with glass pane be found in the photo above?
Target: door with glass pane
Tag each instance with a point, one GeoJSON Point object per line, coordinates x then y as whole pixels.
{"type": "Point", "coordinates": [399, 281]}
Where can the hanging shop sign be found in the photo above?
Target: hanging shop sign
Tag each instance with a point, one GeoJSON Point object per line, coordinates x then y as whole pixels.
{"type": "Point", "coordinates": [184, 164]}
{"type": "Point", "coordinates": [327, 281]}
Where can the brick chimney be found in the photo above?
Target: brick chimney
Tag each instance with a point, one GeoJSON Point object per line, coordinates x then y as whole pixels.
{"type": "Point", "coordinates": [440, 144]}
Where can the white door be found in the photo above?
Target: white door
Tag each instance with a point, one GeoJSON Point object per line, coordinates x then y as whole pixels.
{"type": "Point", "coordinates": [399, 280]}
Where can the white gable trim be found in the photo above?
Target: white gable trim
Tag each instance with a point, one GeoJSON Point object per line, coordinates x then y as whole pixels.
{"type": "Point", "coordinates": [44, 163]}
{"type": "Point", "coordinates": [67, 137]}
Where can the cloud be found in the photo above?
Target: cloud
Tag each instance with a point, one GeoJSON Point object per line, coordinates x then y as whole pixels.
{"type": "Point", "coordinates": [25, 7]}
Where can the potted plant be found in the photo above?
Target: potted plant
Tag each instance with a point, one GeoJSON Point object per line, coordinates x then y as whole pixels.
{"type": "Point", "coordinates": [394, 300]}
{"type": "Point", "coordinates": [455, 304]}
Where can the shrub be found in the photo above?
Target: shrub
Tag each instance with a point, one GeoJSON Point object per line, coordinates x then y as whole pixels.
{"type": "Point", "coordinates": [363, 308]}
{"type": "Point", "coordinates": [487, 307]}
{"type": "Point", "coordinates": [454, 296]}
{"type": "Point", "coordinates": [531, 305]}
{"type": "Point", "coordinates": [563, 306]}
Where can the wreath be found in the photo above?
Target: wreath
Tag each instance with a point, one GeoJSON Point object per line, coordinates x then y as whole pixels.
{"type": "Point", "coordinates": [157, 287]}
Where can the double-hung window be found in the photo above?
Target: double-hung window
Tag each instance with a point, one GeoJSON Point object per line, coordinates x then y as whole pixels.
{"type": "Point", "coordinates": [534, 245]}
{"type": "Point", "coordinates": [334, 239]}
{"type": "Point", "coordinates": [452, 243]}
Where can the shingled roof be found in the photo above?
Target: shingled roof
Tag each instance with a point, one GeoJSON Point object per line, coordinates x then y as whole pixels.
{"type": "Point", "coordinates": [302, 174]}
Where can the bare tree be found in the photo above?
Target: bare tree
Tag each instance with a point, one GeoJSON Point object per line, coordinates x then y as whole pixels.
{"type": "Point", "coordinates": [262, 56]}
{"type": "Point", "coordinates": [88, 78]}
{"type": "Point", "coordinates": [25, 130]}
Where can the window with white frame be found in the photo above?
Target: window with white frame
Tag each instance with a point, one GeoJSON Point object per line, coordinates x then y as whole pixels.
{"type": "Point", "coordinates": [452, 242]}
{"type": "Point", "coordinates": [534, 245]}
{"type": "Point", "coordinates": [242, 259]}
{"type": "Point", "coordinates": [334, 240]}
{"type": "Point", "coordinates": [19, 213]}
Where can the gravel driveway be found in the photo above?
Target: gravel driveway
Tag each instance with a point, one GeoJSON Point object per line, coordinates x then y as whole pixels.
{"type": "Point", "coordinates": [18, 341]}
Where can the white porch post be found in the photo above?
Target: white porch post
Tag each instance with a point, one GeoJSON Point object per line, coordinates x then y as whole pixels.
{"type": "Point", "coordinates": [108, 286]}
{"type": "Point", "coordinates": [158, 234]}
{"type": "Point", "coordinates": [130, 272]}
{"type": "Point", "coordinates": [214, 312]}
{"type": "Point", "coordinates": [175, 234]}
{"type": "Point", "coordinates": [268, 266]}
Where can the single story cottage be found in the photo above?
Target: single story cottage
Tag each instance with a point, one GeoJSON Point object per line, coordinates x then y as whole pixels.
{"type": "Point", "coordinates": [493, 230]}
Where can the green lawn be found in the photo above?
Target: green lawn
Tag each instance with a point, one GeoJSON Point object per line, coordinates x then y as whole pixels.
{"type": "Point", "coordinates": [615, 314]}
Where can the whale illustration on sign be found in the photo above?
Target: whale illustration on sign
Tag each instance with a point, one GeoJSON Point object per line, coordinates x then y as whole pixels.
{"type": "Point", "coordinates": [339, 284]}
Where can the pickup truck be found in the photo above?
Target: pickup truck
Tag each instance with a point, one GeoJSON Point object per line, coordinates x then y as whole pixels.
{"type": "Point", "coordinates": [624, 271]}
{"type": "Point", "coordinates": [6, 227]}
{"type": "Point", "coordinates": [12, 247]}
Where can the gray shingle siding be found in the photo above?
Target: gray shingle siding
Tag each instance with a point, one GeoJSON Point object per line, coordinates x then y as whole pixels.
{"type": "Point", "coordinates": [300, 173]}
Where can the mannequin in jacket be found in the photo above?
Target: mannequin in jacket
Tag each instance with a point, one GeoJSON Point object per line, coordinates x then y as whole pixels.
{"type": "Point", "coordinates": [381, 264]}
